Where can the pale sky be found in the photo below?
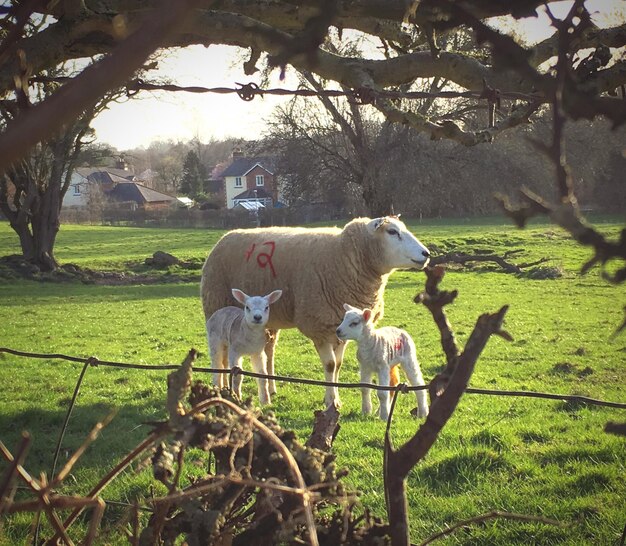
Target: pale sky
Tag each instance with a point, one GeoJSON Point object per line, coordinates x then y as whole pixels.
{"type": "Point", "coordinates": [183, 116]}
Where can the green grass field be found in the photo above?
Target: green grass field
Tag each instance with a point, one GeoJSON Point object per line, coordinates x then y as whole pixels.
{"type": "Point", "coordinates": [536, 457]}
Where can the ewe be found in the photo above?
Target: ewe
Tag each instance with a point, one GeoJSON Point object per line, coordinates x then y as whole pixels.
{"type": "Point", "coordinates": [233, 333]}
{"type": "Point", "coordinates": [318, 269]}
{"type": "Point", "coordinates": [380, 352]}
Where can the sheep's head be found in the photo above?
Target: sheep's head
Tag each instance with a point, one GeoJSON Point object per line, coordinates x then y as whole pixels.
{"type": "Point", "coordinates": [400, 247]}
{"type": "Point", "coordinates": [353, 323]}
{"type": "Point", "coordinates": [256, 308]}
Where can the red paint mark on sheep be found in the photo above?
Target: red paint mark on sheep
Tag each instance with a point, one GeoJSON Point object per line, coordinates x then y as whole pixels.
{"type": "Point", "coordinates": [250, 251]}
{"type": "Point", "coordinates": [399, 344]}
{"type": "Point", "coordinates": [263, 259]}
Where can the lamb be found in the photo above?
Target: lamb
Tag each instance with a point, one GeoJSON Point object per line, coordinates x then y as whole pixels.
{"type": "Point", "coordinates": [318, 269]}
{"type": "Point", "coordinates": [233, 333]}
{"type": "Point", "coordinates": [379, 352]}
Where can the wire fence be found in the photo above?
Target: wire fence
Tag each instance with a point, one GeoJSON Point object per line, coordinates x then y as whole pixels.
{"type": "Point", "coordinates": [402, 387]}
{"type": "Point", "coordinates": [363, 95]}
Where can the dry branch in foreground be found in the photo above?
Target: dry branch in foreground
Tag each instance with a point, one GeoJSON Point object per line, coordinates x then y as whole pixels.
{"type": "Point", "coordinates": [446, 391]}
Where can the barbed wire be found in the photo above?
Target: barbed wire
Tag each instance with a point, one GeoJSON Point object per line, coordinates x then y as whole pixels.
{"type": "Point", "coordinates": [402, 387]}
{"type": "Point", "coordinates": [363, 95]}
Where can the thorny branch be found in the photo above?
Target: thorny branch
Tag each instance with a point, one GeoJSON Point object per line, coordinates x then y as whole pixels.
{"type": "Point", "coordinates": [445, 391]}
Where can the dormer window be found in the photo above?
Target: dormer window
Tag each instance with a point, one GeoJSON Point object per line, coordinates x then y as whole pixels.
{"type": "Point", "coordinates": [260, 180]}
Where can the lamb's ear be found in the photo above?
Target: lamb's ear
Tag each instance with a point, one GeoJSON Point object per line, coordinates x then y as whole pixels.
{"type": "Point", "coordinates": [274, 296]}
{"type": "Point", "coordinates": [367, 314]}
{"type": "Point", "coordinates": [376, 224]}
{"type": "Point", "coordinates": [349, 307]}
{"type": "Point", "coordinates": [240, 296]}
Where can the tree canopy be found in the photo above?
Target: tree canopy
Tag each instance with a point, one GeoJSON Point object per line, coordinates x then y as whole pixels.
{"type": "Point", "coordinates": [293, 32]}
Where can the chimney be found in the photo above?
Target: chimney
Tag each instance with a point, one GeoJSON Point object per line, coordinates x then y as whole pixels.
{"type": "Point", "coordinates": [237, 154]}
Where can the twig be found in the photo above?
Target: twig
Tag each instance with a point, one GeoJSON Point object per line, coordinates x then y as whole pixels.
{"type": "Point", "coordinates": [484, 517]}
{"type": "Point", "coordinates": [282, 449]}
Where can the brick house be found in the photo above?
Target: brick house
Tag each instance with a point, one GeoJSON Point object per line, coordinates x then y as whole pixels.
{"type": "Point", "coordinates": [250, 179]}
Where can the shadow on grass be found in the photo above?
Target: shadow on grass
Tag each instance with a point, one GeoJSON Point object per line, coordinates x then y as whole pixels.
{"type": "Point", "coordinates": [19, 293]}
{"type": "Point", "coordinates": [125, 431]}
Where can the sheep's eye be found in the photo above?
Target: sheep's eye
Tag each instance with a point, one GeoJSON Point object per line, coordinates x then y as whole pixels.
{"type": "Point", "coordinates": [247, 308]}
{"type": "Point", "coordinates": [267, 307]}
{"type": "Point", "coordinates": [393, 231]}
{"type": "Point", "coordinates": [354, 324]}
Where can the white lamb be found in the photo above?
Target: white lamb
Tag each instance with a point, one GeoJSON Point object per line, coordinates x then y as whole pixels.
{"type": "Point", "coordinates": [233, 332]}
{"type": "Point", "coordinates": [379, 352]}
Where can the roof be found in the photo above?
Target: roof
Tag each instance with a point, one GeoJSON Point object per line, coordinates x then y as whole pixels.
{"type": "Point", "coordinates": [133, 191]}
{"type": "Point", "coordinates": [254, 193]}
{"type": "Point", "coordinates": [88, 171]}
{"type": "Point", "coordinates": [243, 165]}
{"type": "Point", "coordinates": [107, 177]}
{"type": "Point", "coordinates": [250, 205]}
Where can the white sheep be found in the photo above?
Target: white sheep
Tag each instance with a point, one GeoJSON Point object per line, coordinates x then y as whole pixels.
{"type": "Point", "coordinates": [379, 353]}
{"type": "Point", "coordinates": [233, 332]}
{"type": "Point", "coordinates": [319, 269]}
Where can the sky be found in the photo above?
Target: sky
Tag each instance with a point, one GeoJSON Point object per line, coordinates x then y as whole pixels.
{"type": "Point", "coordinates": [152, 116]}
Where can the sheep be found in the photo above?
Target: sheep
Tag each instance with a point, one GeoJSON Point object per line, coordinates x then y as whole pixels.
{"type": "Point", "coordinates": [379, 352]}
{"type": "Point", "coordinates": [233, 332]}
{"type": "Point", "coordinates": [319, 269]}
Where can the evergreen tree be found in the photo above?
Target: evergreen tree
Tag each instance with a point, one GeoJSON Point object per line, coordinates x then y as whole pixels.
{"type": "Point", "coordinates": [194, 174]}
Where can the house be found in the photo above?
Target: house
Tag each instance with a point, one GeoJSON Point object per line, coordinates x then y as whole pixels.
{"type": "Point", "coordinates": [137, 196]}
{"type": "Point", "coordinates": [84, 178]}
{"type": "Point", "coordinates": [249, 179]}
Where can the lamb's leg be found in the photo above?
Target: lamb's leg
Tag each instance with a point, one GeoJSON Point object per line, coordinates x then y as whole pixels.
{"type": "Point", "coordinates": [366, 400]}
{"type": "Point", "coordinates": [235, 360]}
{"type": "Point", "coordinates": [383, 396]}
{"type": "Point", "coordinates": [217, 353]}
{"type": "Point", "coordinates": [259, 365]}
{"type": "Point", "coordinates": [327, 356]}
{"type": "Point", "coordinates": [414, 375]}
{"type": "Point", "coordinates": [271, 339]}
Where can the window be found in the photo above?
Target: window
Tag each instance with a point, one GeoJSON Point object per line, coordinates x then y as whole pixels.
{"type": "Point", "coordinates": [76, 189]}
{"type": "Point", "coordinates": [238, 183]}
{"type": "Point", "coordinates": [260, 180]}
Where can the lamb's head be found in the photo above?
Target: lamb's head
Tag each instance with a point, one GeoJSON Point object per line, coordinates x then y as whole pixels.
{"type": "Point", "coordinates": [353, 323]}
{"type": "Point", "coordinates": [400, 247]}
{"type": "Point", "coordinates": [256, 308]}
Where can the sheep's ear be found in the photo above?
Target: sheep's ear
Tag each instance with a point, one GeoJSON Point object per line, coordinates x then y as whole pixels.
{"type": "Point", "coordinates": [274, 296]}
{"type": "Point", "coordinates": [367, 314]}
{"type": "Point", "coordinates": [349, 307]}
{"type": "Point", "coordinates": [240, 296]}
{"type": "Point", "coordinates": [376, 224]}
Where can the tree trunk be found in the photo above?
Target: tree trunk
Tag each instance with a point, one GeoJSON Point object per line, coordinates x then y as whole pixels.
{"type": "Point", "coordinates": [377, 200]}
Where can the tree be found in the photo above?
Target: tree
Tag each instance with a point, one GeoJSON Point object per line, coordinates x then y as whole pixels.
{"type": "Point", "coordinates": [297, 37]}
{"type": "Point", "coordinates": [194, 175]}
{"type": "Point", "coordinates": [32, 189]}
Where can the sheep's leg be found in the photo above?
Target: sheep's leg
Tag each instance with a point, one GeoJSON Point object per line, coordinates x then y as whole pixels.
{"type": "Point", "coordinates": [327, 356]}
{"type": "Point", "coordinates": [259, 365]}
{"type": "Point", "coordinates": [414, 375]}
{"type": "Point", "coordinates": [235, 360]}
{"type": "Point", "coordinates": [383, 396]}
{"type": "Point", "coordinates": [366, 399]}
{"type": "Point", "coordinates": [271, 338]}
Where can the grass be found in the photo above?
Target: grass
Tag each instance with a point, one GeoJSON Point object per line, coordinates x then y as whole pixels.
{"type": "Point", "coordinates": [536, 457]}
